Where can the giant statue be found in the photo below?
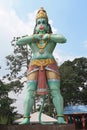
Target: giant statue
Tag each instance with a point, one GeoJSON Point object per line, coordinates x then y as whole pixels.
{"type": "Point", "coordinates": [43, 74]}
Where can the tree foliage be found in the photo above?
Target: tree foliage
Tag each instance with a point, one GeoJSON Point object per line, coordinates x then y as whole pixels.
{"type": "Point", "coordinates": [18, 61]}
{"type": "Point", "coordinates": [7, 112]}
{"type": "Point", "coordinates": [16, 65]}
{"type": "Point", "coordinates": [73, 84]}
{"type": "Point", "coordinates": [73, 80]}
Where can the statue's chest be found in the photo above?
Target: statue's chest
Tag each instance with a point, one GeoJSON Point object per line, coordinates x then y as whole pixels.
{"type": "Point", "coordinates": [42, 47]}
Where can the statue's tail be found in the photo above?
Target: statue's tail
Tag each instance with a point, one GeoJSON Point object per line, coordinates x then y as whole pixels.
{"type": "Point", "coordinates": [41, 109]}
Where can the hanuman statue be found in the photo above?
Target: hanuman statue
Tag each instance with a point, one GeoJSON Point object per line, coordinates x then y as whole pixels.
{"type": "Point", "coordinates": [43, 74]}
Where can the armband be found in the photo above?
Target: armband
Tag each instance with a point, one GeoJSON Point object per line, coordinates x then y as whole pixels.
{"type": "Point", "coordinates": [60, 115]}
{"type": "Point", "coordinates": [33, 38]}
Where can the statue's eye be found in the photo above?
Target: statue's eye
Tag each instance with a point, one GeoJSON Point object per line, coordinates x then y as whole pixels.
{"type": "Point", "coordinates": [38, 22]}
{"type": "Point", "coordinates": [44, 22]}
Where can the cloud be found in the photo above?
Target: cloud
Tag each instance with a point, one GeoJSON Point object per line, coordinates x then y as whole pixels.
{"type": "Point", "coordinates": [19, 99]}
{"type": "Point", "coordinates": [54, 30]}
{"type": "Point", "coordinates": [11, 23]}
{"type": "Point", "coordinates": [12, 26]}
{"type": "Point", "coordinates": [61, 57]}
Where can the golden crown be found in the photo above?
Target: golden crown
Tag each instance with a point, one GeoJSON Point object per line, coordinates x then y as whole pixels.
{"type": "Point", "coordinates": [41, 14]}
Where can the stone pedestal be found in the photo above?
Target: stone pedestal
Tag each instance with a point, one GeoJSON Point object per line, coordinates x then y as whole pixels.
{"type": "Point", "coordinates": [38, 127]}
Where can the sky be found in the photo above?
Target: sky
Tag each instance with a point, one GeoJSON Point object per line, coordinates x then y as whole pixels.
{"type": "Point", "coordinates": [68, 17]}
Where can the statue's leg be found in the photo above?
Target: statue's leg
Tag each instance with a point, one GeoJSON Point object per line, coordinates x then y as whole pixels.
{"type": "Point", "coordinates": [54, 87]}
{"type": "Point", "coordinates": [29, 99]}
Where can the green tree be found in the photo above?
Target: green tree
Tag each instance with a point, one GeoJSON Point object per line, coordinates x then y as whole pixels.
{"type": "Point", "coordinates": [73, 79]}
{"type": "Point", "coordinates": [17, 63]}
{"type": "Point", "coordinates": [73, 75]}
{"type": "Point", "coordinates": [7, 112]}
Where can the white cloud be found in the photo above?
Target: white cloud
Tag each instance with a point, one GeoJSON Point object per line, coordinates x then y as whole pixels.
{"type": "Point", "coordinates": [11, 26]}
{"type": "Point", "coordinates": [61, 57]}
{"type": "Point", "coordinates": [54, 30]}
{"type": "Point", "coordinates": [11, 23]}
{"type": "Point", "coordinates": [19, 100]}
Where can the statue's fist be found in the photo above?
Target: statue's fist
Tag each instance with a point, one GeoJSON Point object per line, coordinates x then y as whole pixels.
{"type": "Point", "coordinates": [35, 37]}
{"type": "Point", "coordinates": [46, 37]}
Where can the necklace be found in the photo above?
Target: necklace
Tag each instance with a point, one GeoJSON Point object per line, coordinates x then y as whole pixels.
{"type": "Point", "coordinates": [42, 44]}
{"type": "Point", "coordinates": [41, 47]}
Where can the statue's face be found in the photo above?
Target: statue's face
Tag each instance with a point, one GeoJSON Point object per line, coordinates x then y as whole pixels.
{"type": "Point", "coordinates": [42, 25]}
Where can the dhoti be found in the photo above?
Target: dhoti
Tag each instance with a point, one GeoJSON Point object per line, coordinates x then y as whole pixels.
{"type": "Point", "coordinates": [43, 65]}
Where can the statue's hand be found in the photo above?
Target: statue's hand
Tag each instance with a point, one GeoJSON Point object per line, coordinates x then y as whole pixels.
{"type": "Point", "coordinates": [46, 37]}
{"type": "Point", "coordinates": [35, 37]}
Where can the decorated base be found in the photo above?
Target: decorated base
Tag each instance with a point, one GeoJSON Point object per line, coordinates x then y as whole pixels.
{"type": "Point", "coordinates": [38, 127]}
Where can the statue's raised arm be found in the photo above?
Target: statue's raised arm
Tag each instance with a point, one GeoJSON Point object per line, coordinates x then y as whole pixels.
{"type": "Point", "coordinates": [24, 40]}
{"type": "Point", "coordinates": [58, 38]}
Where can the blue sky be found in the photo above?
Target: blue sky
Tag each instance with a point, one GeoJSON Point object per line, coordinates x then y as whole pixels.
{"type": "Point", "coordinates": [68, 17]}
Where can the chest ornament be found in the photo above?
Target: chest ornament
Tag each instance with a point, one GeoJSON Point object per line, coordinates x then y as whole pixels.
{"type": "Point", "coordinates": [42, 44]}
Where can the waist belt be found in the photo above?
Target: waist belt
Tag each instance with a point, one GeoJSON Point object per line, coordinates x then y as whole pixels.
{"type": "Point", "coordinates": [42, 62]}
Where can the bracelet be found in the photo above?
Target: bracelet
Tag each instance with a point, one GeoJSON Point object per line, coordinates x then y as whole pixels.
{"type": "Point", "coordinates": [33, 38]}
{"type": "Point", "coordinates": [60, 115]}
{"type": "Point", "coordinates": [26, 117]}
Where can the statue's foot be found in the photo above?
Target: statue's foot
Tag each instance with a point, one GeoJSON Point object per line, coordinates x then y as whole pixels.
{"type": "Point", "coordinates": [61, 120]}
{"type": "Point", "coordinates": [25, 121]}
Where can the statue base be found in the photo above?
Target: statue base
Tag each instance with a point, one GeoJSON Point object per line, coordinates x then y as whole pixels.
{"type": "Point", "coordinates": [38, 127]}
